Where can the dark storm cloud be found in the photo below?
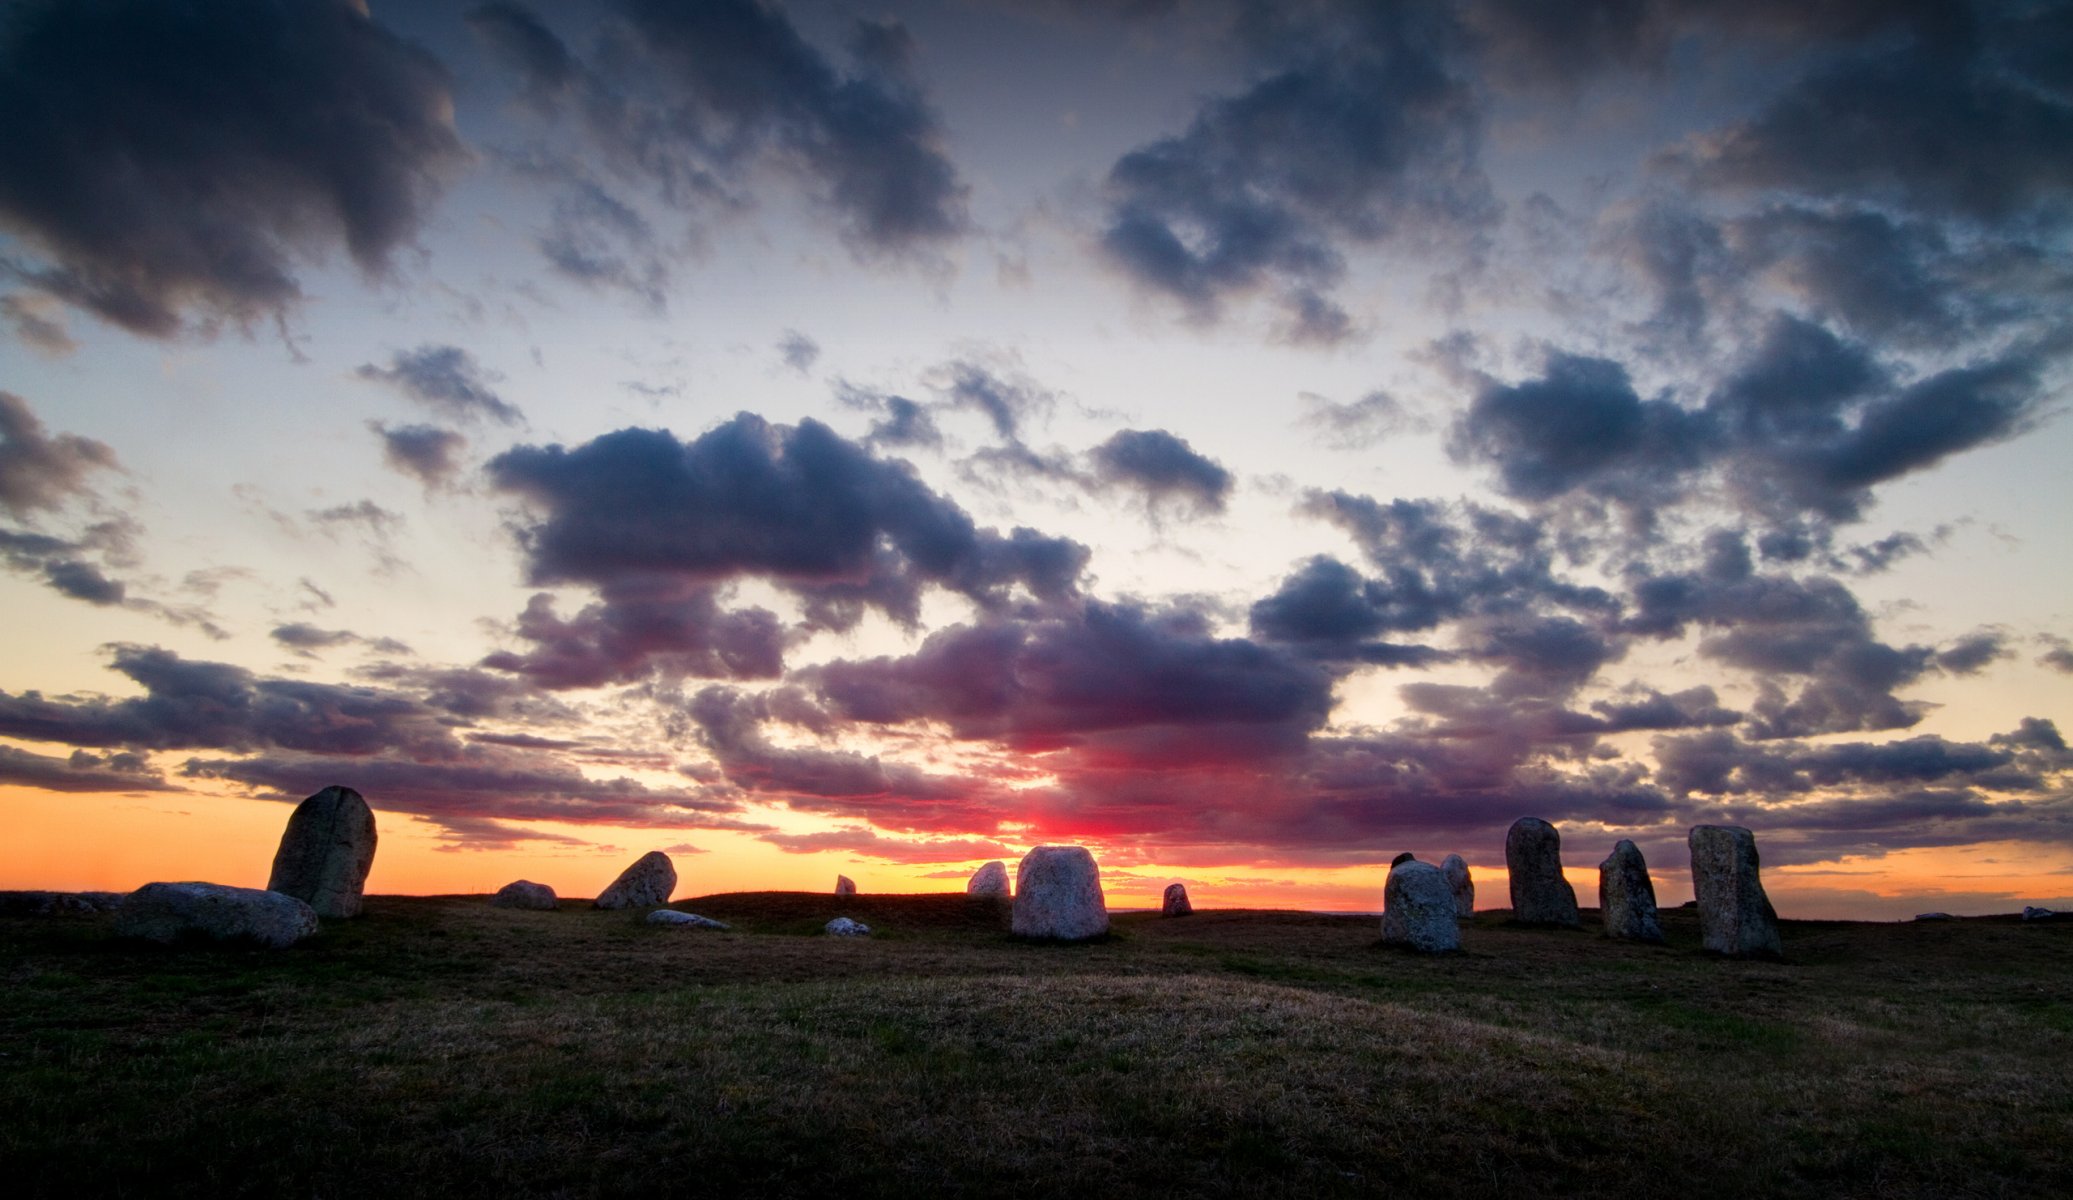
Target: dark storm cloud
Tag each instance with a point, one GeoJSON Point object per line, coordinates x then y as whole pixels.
{"type": "Point", "coordinates": [695, 97]}
{"type": "Point", "coordinates": [1881, 277]}
{"type": "Point", "coordinates": [642, 626]}
{"type": "Point", "coordinates": [83, 581]}
{"type": "Point", "coordinates": [1164, 469]}
{"type": "Point", "coordinates": [1326, 610]}
{"type": "Point", "coordinates": [426, 453]}
{"type": "Point", "coordinates": [40, 472]}
{"type": "Point", "coordinates": [81, 772]}
{"type": "Point", "coordinates": [1355, 130]}
{"type": "Point", "coordinates": [518, 35]}
{"type": "Point", "coordinates": [1972, 654]}
{"type": "Point", "coordinates": [796, 504]}
{"type": "Point", "coordinates": [168, 157]}
{"type": "Point", "coordinates": [445, 379]}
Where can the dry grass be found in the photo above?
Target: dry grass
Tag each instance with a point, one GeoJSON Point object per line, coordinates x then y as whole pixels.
{"type": "Point", "coordinates": [438, 1045]}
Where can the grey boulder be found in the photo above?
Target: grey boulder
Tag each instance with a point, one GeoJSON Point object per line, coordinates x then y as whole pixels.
{"type": "Point", "coordinates": [844, 927]}
{"type": "Point", "coordinates": [1058, 895]}
{"type": "Point", "coordinates": [2033, 913]}
{"type": "Point", "coordinates": [325, 852]}
{"type": "Point", "coordinates": [1533, 856]}
{"type": "Point", "coordinates": [167, 912]}
{"type": "Point", "coordinates": [683, 920]}
{"type": "Point", "coordinates": [845, 886]}
{"type": "Point", "coordinates": [1418, 909]}
{"type": "Point", "coordinates": [645, 884]}
{"type": "Point", "coordinates": [1627, 897]}
{"type": "Point", "coordinates": [989, 882]}
{"type": "Point", "coordinates": [1455, 868]}
{"type": "Point", "coordinates": [1735, 917]}
{"type": "Point", "coordinates": [1175, 902]}
{"type": "Point", "coordinates": [524, 893]}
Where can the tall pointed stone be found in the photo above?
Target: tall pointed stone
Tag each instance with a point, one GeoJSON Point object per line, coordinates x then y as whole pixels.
{"type": "Point", "coordinates": [646, 884]}
{"type": "Point", "coordinates": [1735, 917]}
{"type": "Point", "coordinates": [989, 882]}
{"type": "Point", "coordinates": [1175, 902]}
{"type": "Point", "coordinates": [845, 886]}
{"type": "Point", "coordinates": [1058, 895]}
{"type": "Point", "coordinates": [1455, 868]}
{"type": "Point", "coordinates": [1533, 856]}
{"type": "Point", "coordinates": [1626, 897]}
{"type": "Point", "coordinates": [325, 853]}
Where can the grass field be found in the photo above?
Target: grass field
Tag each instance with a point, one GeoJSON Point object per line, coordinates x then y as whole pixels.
{"type": "Point", "coordinates": [439, 1046]}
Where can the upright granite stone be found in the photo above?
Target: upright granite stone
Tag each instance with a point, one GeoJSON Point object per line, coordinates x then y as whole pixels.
{"type": "Point", "coordinates": [1175, 902]}
{"type": "Point", "coordinates": [167, 912]}
{"type": "Point", "coordinates": [524, 893]}
{"type": "Point", "coordinates": [1626, 898]}
{"type": "Point", "coordinates": [1418, 909]}
{"type": "Point", "coordinates": [1401, 859]}
{"type": "Point", "coordinates": [989, 882]}
{"type": "Point", "coordinates": [645, 884]}
{"type": "Point", "coordinates": [1540, 896]}
{"type": "Point", "coordinates": [1455, 868]}
{"type": "Point", "coordinates": [1058, 895]}
{"type": "Point", "coordinates": [1735, 917]}
{"type": "Point", "coordinates": [845, 886]}
{"type": "Point", "coordinates": [325, 852]}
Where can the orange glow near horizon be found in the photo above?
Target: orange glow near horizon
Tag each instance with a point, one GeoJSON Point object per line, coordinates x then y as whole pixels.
{"type": "Point", "coordinates": [93, 842]}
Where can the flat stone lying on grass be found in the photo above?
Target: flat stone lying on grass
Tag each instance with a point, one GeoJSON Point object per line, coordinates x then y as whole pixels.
{"type": "Point", "coordinates": [844, 927]}
{"type": "Point", "coordinates": [1626, 897]}
{"type": "Point", "coordinates": [59, 904]}
{"type": "Point", "coordinates": [2033, 913]}
{"type": "Point", "coordinates": [524, 893]}
{"type": "Point", "coordinates": [1058, 895]}
{"type": "Point", "coordinates": [1418, 909]}
{"type": "Point", "coordinates": [1175, 902]}
{"type": "Point", "coordinates": [989, 882]}
{"type": "Point", "coordinates": [325, 852]}
{"type": "Point", "coordinates": [683, 920]}
{"type": "Point", "coordinates": [845, 886]}
{"type": "Point", "coordinates": [1455, 868]}
{"type": "Point", "coordinates": [645, 884]}
{"type": "Point", "coordinates": [1935, 916]}
{"type": "Point", "coordinates": [167, 912]}
{"type": "Point", "coordinates": [1735, 917]}
{"type": "Point", "coordinates": [1540, 896]}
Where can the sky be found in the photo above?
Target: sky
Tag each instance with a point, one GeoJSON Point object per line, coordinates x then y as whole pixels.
{"type": "Point", "coordinates": [1249, 439]}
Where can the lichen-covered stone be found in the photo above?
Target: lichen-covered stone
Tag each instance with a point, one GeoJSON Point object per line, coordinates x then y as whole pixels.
{"type": "Point", "coordinates": [1735, 917]}
{"type": "Point", "coordinates": [1058, 895]}
{"type": "Point", "coordinates": [1175, 902]}
{"type": "Point", "coordinates": [1533, 856]}
{"type": "Point", "coordinates": [1455, 869]}
{"type": "Point", "coordinates": [645, 884]}
{"type": "Point", "coordinates": [325, 852]}
{"type": "Point", "coordinates": [524, 893]}
{"type": "Point", "coordinates": [683, 920]}
{"type": "Point", "coordinates": [167, 912]}
{"type": "Point", "coordinates": [1418, 909]}
{"type": "Point", "coordinates": [989, 882]}
{"type": "Point", "coordinates": [845, 886]}
{"type": "Point", "coordinates": [844, 927]}
{"type": "Point", "coordinates": [1627, 897]}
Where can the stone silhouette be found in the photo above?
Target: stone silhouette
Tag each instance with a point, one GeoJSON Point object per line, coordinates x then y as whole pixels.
{"type": "Point", "coordinates": [524, 893]}
{"type": "Point", "coordinates": [1175, 902]}
{"type": "Point", "coordinates": [1735, 917]}
{"type": "Point", "coordinates": [1533, 855]}
{"type": "Point", "coordinates": [325, 852]}
{"type": "Point", "coordinates": [645, 884]}
{"type": "Point", "coordinates": [1418, 909]}
{"type": "Point", "coordinates": [989, 882]}
{"type": "Point", "coordinates": [1455, 868]}
{"type": "Point", "coordinates": [1401, 859]}
{"type": "Point", "coordinates": [1626, 897]}
{"type": "Point", "coordinates": [845, 886]}
{"type": "Point", "coordinates": [1058, 895]}
{"type": "Point", "coordinates": [683, 920]}
{"type": "Point", "coordinates": [166, 912]}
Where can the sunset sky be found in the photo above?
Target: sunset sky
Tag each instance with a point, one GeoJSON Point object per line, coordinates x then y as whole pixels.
{"type": "Point", "coordinates": [1250, 439]}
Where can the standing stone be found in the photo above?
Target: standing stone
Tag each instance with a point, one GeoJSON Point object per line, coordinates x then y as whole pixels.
{"type": "Point", "coordinates": [645, 884]}
{"type": "Point", "coordinates": [845, 886]}
{"type": "Point", "coordinates": [1735, 917]}
{"type": "Point", "coordinates": [524, 893]}
{"type": "Point", "coordinates": [1418, 909]}
{"type": "Point", "coordinates": [1058, 895]}
{"type": "Point", "coordinates": [1455, 868]}
{"type": "Point", "coordinates": [1401, 859]}
{"type": "Point", "coordinates": [1175, 903]}
{"type": "Point", "coordinates": [989, 882]}
{"type": "Point", "coordinates": [1533, 855]}
{"type": "Point", "coordinates": [325, 852]}
{"type": "Point", "coordinates": [165, 912]}
{"type": "Point", "coordinates": [1626, 898]}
